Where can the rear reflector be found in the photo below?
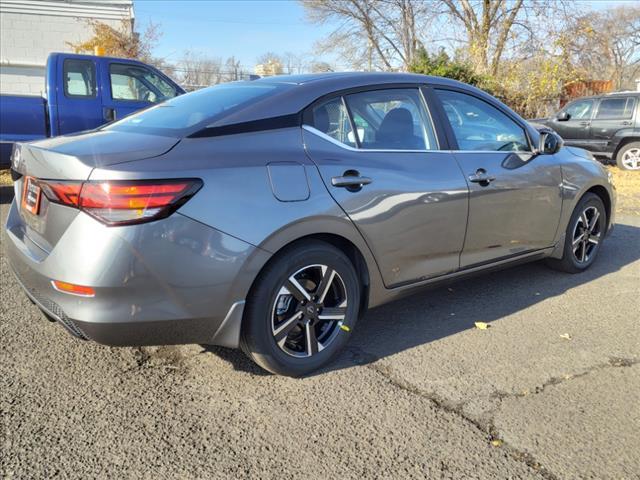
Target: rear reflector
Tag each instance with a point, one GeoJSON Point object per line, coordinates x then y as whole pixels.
{"type": "Point", "coordinates": [123, 202]}
{"type": "Point", "coordinates": [80, 290]}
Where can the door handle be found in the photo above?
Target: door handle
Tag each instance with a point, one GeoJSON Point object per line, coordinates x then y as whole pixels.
{"type": "Point", "coordinates": [109, 114]}
{"type": "Point", "coordinates": [351, 180]}
{"type": "Point", "coordinates": [626, 123]}
{"type": "Point", "coordinates": [481, 177]}
{"type": "Point", "coordinates": [585, 124]}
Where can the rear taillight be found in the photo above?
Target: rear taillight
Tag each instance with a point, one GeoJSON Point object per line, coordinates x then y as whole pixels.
{"type": "Point", "coordinates": [123, 202]}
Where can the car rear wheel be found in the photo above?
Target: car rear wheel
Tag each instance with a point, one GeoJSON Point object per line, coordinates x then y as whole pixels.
{"type": "Point", "coordinates": [584, 235]}
{"type": "Point", "coordinates": [301, 309]}
{"type": "Point", "coordinates": [628, 157]}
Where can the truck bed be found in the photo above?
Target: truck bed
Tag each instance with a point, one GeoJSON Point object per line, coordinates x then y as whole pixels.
{"type": "Point", "coordinates": [22, 118]}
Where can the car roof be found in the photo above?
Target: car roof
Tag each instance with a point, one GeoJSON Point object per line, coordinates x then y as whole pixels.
{"type": "Point", "coordinates": [628, 93]}
{"type": "Point", "coordinates": [299, 91]}
{"type": "Point", "coordinates": [349, 79]}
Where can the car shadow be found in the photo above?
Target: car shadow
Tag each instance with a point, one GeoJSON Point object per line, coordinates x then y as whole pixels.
{"type": "Point", "coordinates": [6, 194]}
{"type": "Point", "coordinates": [443, 311]}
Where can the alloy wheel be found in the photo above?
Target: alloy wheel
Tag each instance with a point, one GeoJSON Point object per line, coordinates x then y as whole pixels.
{"type": "Point", "coordinates": [309, 310]}
{"type": "Point", "coordinates": [631, 159]}
{"type": "Point", "coordinates": [587, 233]}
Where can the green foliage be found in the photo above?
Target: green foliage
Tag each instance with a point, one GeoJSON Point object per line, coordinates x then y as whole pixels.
{"type": "Point", "coordinates": [441, 65]}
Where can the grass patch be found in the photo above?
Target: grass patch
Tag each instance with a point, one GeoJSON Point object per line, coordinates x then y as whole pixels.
{"type": "Point", "coordinates": [5, 177]}
{"type": "Point", "coordinates": [628, 187]}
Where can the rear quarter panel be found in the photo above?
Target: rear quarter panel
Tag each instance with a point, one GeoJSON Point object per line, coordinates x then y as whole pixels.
{"type": "Point", "coordinates": [238, 197]}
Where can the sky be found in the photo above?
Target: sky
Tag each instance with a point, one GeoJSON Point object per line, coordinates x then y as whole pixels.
{"type": "Point", "coordinates": [244, 28]}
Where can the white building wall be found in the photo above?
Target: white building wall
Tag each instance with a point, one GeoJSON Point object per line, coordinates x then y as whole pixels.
{"type": "Point", "coordinates": [31, 30]}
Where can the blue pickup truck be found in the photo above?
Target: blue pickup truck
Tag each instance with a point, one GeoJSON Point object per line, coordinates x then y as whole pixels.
{"type": "Point", "coordinates": [82, 93]}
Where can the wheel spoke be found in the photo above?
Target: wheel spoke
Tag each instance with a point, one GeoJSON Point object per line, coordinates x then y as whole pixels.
{"type": "Point", "coordinates": [336, 313]}
{"type": "Point", "coordinates": [311, 339]}
{"type": "Point", "coordinates": [584, 219]}
{"type": "Point", "coordinates": [594, 240]}
{"type": "Point", "coordinates": [328, 274]}
{"type": "Point", "coordinates": [576, 242]}
{"type": "Point", "coordinates": [594, 221]}
{"type": "Point", "coordinates": [296, 289]}
{"type": "Point", "coordinates": [283, 330]}
{"type": "Point", "coordinates": [583, 255]}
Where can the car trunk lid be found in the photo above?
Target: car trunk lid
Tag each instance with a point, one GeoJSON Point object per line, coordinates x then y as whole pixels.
{"type": "Point", "coordinates": [70, 159]}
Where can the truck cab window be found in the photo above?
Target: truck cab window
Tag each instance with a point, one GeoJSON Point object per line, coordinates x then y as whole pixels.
{"type": "Point", "coordinates": [138, 84]}
{"type": "Point", "coordinates": [79, 78]}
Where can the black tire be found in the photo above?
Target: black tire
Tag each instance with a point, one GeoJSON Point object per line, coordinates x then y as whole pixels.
{"type": "Point", "coordinates": [586, 253]}
{"type": "Point", "coordinates": [633, 147]}
{"type": "Point", "coordinates": [267, 298]}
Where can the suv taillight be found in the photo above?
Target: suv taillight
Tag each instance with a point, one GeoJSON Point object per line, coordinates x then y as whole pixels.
{"type": "Point", "coordinates": [123, 202]}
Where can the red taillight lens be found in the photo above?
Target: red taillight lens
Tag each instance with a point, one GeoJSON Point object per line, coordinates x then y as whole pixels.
{"type": "Point", "coordinates": [124, 202]}
{"type": "Point", "coordinates": [66, 193]}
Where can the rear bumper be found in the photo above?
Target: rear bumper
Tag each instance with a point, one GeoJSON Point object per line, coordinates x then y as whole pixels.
{"type": "Point", "coordinates": [173, 281]}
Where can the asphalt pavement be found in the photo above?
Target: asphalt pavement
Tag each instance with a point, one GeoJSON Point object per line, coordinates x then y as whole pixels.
{"type": "Point", "coordinates": [550, 390]}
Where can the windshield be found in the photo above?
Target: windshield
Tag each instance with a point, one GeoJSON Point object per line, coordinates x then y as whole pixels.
{"type": "Point", "coordinates": [188, 113]}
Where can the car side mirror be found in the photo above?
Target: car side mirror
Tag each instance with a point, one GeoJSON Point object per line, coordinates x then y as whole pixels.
{"type": "Point", "coordinates": [563, 116]}
{"type": "Point", "coordinates": [550, 142]}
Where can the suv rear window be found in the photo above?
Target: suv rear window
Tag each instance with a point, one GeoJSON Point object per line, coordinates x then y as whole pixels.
{"type": "Point", "coordinates": [619, 107]}
{"type": "Point", "coordinates": [185, 114]}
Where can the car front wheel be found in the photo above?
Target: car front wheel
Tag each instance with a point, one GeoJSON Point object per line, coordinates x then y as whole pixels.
{"type": "Point", "coordinates": [301, 310]}
{"type": "Point", "coordinates": [583, 236]}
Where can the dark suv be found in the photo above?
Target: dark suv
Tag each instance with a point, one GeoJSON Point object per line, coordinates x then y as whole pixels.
{"type": "Point", "coordinates": [608, 125]}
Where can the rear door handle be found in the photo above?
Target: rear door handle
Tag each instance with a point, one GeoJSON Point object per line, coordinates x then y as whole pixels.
{"type": "Point", "coordinates": [585, 124]}
{"type": "Point", "coordinates": [350, 181]}
{"type": "Point", "coordinates": [481, 177]}
{"type": "Point", "coordinates": [626, 123]}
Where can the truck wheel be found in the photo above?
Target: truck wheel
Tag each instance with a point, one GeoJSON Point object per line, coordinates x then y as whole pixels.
{"type": "Point", "coordinates": [628, 157]}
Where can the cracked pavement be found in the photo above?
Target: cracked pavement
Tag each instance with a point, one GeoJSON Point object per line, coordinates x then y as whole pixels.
{"type": "Point", "coordinates": [549, 391]}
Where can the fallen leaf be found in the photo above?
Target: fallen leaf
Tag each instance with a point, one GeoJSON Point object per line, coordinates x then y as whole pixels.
{"type": "Point", "coordinates": [496, 442]}
{"type": "Point", "coordinates": [481, 325]}
{"type": "Point", "coordinates": [566, 336]}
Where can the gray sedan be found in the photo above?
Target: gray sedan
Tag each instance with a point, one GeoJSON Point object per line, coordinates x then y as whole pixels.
{"type": "Point", "coordinates": [269, 215]}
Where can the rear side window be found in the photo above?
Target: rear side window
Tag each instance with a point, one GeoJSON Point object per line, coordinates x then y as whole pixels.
{"type": "Point", "coordinates": [139, 84]}
{"type": "Point", "coordinates": [332, 119]}
{"type": "Point", "coordinates": [614, 108]}
{"type": "Point", "coordinates": [79, 78]}
{"type": "Point", "coordinates": [394, 119]}
{"type": "Point", "coordinates": [478, 125]}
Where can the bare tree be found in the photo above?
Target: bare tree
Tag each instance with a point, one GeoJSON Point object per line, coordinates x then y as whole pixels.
{"type": "Point", "coordinates": [321, 67]}
{"type": "Point", "coordinates": [373, 33]}
{"type": "Point", "coordinates": [294, 63]}
{"type": "Point", "coordinates": [491, 27]}
{"type": "Point", "coordinates": [197, 71]}
{"type": "Point", "coordinates": [233, 70]}
{"type": "Point", "coordinates": [605, 45]}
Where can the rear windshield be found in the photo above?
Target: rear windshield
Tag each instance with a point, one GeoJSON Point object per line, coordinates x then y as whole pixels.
{"type": "Point", "coordinates": [188, 113]}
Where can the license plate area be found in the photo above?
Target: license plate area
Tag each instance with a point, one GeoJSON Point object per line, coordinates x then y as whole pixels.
{"type": "Point", "coordinates": [31, 196]}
